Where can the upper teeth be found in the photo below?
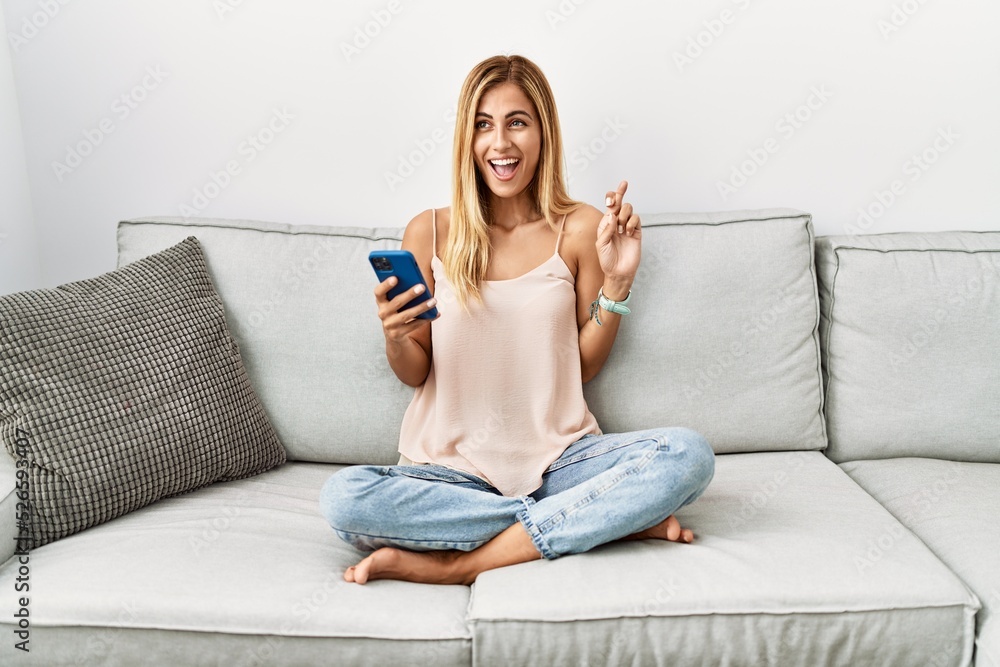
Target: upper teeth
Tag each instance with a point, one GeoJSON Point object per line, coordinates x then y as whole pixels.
{"type": "Point", "coordinates": [501, 163]}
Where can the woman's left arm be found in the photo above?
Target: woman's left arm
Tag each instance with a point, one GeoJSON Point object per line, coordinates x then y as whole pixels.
{"type": "Point", "coordinates": [608, 265]}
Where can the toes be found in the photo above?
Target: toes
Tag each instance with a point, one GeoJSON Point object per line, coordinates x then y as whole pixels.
{"type": "Point", "coordinates": [362, 570]}
{"type": "Point", "coordinates": [359, 573]}
{"type": "Point", "coordinates": [687, 536]}
{"type": "Point", "coordinates": [673, 528]}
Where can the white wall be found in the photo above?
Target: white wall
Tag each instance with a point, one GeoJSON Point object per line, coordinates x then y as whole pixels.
{"type": "Point", "coordinates": [19, 259]}
{"type": "Point", "coordinates": [202, 79]}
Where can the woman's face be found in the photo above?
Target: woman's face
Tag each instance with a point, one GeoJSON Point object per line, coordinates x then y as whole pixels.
{"type": "Point", "coordinates": [507, 140]}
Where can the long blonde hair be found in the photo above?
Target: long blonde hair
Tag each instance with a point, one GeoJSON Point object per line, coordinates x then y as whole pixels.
{"type": "Point", "coordinates": [467, 253]}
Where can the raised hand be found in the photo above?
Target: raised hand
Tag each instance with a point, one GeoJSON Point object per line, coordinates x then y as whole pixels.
{"type": "Point", "coordinates": [619, 237]}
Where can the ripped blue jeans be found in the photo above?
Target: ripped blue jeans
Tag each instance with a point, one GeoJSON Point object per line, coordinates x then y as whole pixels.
{"type": "Point", "coordinates": [602, 488]}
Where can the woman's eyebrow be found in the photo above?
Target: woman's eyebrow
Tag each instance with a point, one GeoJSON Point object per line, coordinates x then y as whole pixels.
{"type": "Point", "coordinates": [509, 114]}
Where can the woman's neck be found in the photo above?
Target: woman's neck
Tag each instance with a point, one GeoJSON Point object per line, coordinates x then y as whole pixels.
{"type": "Point", "coordinates": [508, 213]}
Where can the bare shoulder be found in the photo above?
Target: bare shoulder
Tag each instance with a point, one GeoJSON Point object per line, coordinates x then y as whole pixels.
{"type": "Point", "coordinates": [418, 230]}
{"type": "Point", "coordinates": [418, 237]}
{"type": "Point", "coordinates": [584, 220]}
{"type": "Point", "coordinates": [580, 235]}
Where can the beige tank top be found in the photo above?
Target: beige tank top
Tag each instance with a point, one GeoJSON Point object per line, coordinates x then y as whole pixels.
{"type": "Point", "coordinates": [504, 395]}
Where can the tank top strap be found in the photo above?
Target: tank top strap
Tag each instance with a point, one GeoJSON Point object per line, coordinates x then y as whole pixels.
{"type": "Point", "coordinates": [434, 232]}
{"type": "Point", "coordinates": [559, 238]}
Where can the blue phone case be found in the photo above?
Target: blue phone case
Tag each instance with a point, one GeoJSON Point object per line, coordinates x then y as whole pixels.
{"type": "Point", "coordinates": [400, 263]}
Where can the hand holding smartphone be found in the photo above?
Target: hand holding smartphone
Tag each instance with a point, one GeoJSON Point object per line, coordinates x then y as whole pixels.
{"type": "Point", "coordinates": [402, 265]}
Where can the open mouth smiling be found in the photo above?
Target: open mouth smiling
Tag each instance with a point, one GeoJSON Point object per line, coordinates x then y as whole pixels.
{"type": "Point", "coordinates": [504, 168]}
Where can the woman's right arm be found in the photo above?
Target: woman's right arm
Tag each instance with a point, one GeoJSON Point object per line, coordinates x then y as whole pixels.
{"type": "Point", "coordinates": [407, 339]}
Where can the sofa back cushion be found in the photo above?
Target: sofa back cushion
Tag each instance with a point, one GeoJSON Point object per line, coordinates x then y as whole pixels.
{"type": "Point", "coordinates": [911, 345]}
{"type": "Point", "coordinates": [299, 302]}
{"type": "Point", "coordinates": [723, 334]}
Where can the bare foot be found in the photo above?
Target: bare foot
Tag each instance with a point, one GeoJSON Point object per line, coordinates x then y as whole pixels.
{"type": "Point", "coordinates": [510, 546]}
{"type": "Point", "coordinates": [428, 567]}
{"type": "Point", "coordinates": [669, 529]}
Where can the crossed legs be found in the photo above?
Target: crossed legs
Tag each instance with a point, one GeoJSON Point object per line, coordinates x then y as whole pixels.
{"type": "Point", "coordinates": [510, 547]}
{"type": "Point", "coordinates": [575, 509]}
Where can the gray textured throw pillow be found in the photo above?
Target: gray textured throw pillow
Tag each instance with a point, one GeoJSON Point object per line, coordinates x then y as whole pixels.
{"type": "Point", "coordinates": [123, 389]}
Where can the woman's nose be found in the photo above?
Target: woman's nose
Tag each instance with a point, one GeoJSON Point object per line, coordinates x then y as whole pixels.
{"type": "Point", "coordinates": [501, 138]}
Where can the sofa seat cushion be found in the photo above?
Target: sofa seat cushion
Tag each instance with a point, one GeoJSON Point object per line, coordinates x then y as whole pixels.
{"type": "Point", "coordinates": [792, 563]}
{"type": "Point", "coordinates": [947, 505]}
{"type": "Point", "coordinates": [239, 573]}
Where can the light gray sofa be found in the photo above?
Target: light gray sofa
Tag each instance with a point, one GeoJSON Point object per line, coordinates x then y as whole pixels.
{"type": "Point", "coordinates": [850, 387]}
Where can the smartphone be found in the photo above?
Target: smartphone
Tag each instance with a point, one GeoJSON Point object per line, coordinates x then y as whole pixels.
{"type": "Point", "coordinates": [400, 263]}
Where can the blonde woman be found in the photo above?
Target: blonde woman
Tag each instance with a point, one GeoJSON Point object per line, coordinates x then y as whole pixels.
{"type": "Point", "coordinates": [501, 461]}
